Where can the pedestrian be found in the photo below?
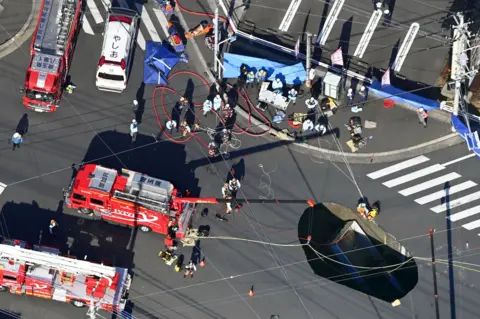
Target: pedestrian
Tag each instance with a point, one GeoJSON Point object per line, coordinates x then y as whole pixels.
{"type": "Point", "coordinates": [422, 116]}
{"type": "Point", "coordinates": [217, 103]}
{"type": "Point", "coordinates": [207, 107]}
{"type": "Point", "coordinates": [135, 108]}
{"type": "Point", "coordinates": [260, 77]}
{"type": "Point", "coordinates": [171, 125]}
{"type": "Point", "coordinates": [250, 79]}
{"type": "Point", "coordinates": [292, 95]}
{"type": "Point", "coordinates": [277, 86]}
{"type": "Point", "coordinates": [349, 97]}
{"type": "Point", "coordinates": [134, 130]}
{"type": "Point", "coordinates": [311, 103]}
{"type": "Point", "coordinates": [362, 95]}
{"type": "Point", "coordinates": [190, 268]}
{"type": "Point", "coordinates": [17, 139]}
{"type": "Point", "coordinates": [52, 228]}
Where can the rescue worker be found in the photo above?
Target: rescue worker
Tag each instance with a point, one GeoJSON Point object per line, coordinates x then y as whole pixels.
{"type": "Point", "coordinates": [52, 228]}
{"type": "Point", "coordinates": [260, 77]}
{"type": "Point", "coordinates": [277, 86]}
{"type": "Point", "coordinates": [134, 130]}
{"type": "Point", "coordinates": [422, 116]}
{"type": "Point", "coordinates": [227, 194]}
{"type": "Point", "coordinates": [234, 185]}
{"type": "Point", "coordinates": [311, 103]}
{"type": "Point", "coordinates": [362, 95]}
{"type": "Point", "coordinates": [135, 108]}
{"type": "Point", "coordinates": [17, 139]}
{"type": "Point", "coordinates": [184, 102]}
{"type": "Point", "coordinates": [307, 126]}
{"type": "Point", "coordinates": [226, 136]}
{"type": "Point", "coordinates": [320, 128]}
{"type": "Point", "coordinates": [213, 149]}
{"type": "Point", "coordinates": [350, 96]}
{"type": "Point", "coordinates": [190, 268]}
{"type": "Point", "coordinates": [292, 95]}
{"type": "Point", "coordinates": [186, 130]}
{"type": "Point", "coordinates": [250, 79]}
{"type": "Point", "coordinates": [171, 125]}
{"type": "Point", "coordinates": [217, 103]}
{"type": "Point", "coordinates": [207, 107]}
{"type": "Point", "coordinates": [70, 88]}
{"type": "Point", "coordinates": [227, 112]}
{"type": "Point", "coordinates": [170, 244]}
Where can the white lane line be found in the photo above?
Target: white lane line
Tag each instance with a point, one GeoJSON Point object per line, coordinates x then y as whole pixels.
{"type": "Point", "coordinates": [399, 166]}
{"type": "Point", "coordinates": [457, 202]}
{"type": "Point", "coordinates": [141, 40]}
{"type": "Point", "coordinates": [429, 184]}
{"type": "Point", "coordinates": [472, 225]}
{"type": "Point", "coordinates": [412, 176]}
{"type": "Point", "coordinates": [289, 15]}
{"type": "Point", "coordinates": [106, 4]}
{"type": "Point", "coordinates": [97, 16]}
{"type": "Point", "coordinates": [150, 27]}
{"type": "Point", "coordinates": [86, 26]}
{"type": "Point", "coordinates": [452, 190]}
{"type": "Point", "coordinates": [464, 214]}
{"type": "Point", "coordinates": [459, 159]}
{"type": "Point", "coordinates": [2, 187]}
{"type": "Point", "coordinates": [163, 21]}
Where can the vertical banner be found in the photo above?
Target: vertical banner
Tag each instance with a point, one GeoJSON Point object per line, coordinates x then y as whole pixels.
{"type": "Point", "coordinates": [337, 57]}
{"type": "Point", "coordinates": [386, 78]}
{"type": "Point", "coordinates": [297, 47]}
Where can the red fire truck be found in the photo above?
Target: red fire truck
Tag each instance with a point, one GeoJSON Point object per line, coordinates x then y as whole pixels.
{"type": "Point", "coordinates": [138, 200]}
{"type": "Point", "coordinates": [51, 53]}
{"type": "Point", "coordinates": [40, 271]}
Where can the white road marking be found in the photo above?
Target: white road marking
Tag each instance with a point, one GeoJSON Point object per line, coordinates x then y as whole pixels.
{"type": "Point", "coordinates": [97, 16]}
{"type": "Point", "coordinates": [289, 15]}
{"type": "Point", "coordinates": [141, 41]}
{"type": "Point", "coordinates": [86, 26]}
{"type": "Point", "coordinates": [472, 225]}
{"type": "Point", "coordinates": [455, 203]}
{"type": "Point", "coordinates": [106, 4]}
{"type": "Point", "coordinates": [440, 194]}
{"type": "Point", "coordinates": [163, 20]}
{"type": "Point", "coordinates": [464, 214]}
{"type": "Point", "coordinates": [460, 159]}
{"type": "Point", "coordinates": [150, 27]}
{"type": "Point", "coordinates": [412, 176]}
{"type": "Point", "coordinates": [399, 166]}
{"type": "Point", "coordinates": [2, 187]}
{"type": "Point", "coordinates": [429, 184]}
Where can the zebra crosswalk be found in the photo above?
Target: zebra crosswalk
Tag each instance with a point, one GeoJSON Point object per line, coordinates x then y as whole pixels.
{"type": "Point", "coordinates": [153, 23]}
{"type": "Point", "coordinates": [409, 178]}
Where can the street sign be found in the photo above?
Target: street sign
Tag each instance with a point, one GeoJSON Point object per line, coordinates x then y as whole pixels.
{"type": "Point", "coordinates": [368, 33]}
{"type": "Point", "coordinates": [331, 18]}
{"type": "Point", "coordinates": [297, 47]}
{"type": "Point", "coordinates": [472, 140]}
{"type": "Point", "coordinates": [406, 45]}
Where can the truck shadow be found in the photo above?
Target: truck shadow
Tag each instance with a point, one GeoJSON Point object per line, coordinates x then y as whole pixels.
{"type": "Point", "coordinates": [343, 251]}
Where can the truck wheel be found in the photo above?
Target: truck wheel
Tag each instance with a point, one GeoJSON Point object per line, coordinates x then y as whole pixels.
{"type": "Point", "coordinates": [145, 229]}
{"type": "Point", "coordinates": [78, 303]}
{"type": "Point", "coordinates": [85, 211]}
{"type": "Point", "coordinates": [3, 288]}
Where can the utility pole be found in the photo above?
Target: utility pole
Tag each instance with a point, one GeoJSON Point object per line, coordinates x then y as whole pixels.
{"type": "Point", "coordinates": [434, 271]}
{"type": "Point", "coordinates": [216, 48]}
{"type": "Point", "coordinates": [308, 83]}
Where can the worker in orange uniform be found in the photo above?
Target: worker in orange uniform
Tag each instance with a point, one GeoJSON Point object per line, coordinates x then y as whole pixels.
{"type": "Point", "coordinates": [170, 243]}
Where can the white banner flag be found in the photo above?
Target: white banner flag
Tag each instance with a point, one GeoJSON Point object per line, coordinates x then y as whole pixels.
{"type": "Point", "coordinates": [386, 78]}
{"type": "Point", "coordinates": [337, 57]}
{"type": "Point", "coordinates": [297, 47]}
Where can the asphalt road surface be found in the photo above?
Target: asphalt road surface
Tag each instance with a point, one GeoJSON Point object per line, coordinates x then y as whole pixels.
{"type": "Point", "coordinates": [91, 125]}
{"type": "Point", "coordinates": [426, 57]}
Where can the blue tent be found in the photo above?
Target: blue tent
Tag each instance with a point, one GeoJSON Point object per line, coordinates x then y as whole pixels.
{"type": "Point", "coordinates": [158, 63]}
{"type": "Point", "coordinates": [289, 74]}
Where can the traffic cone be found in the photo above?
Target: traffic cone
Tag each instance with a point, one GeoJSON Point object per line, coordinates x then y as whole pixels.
{"type": "Point", "coordinates": [251, 293]}
{"type": "Point", "coordinates": [202, 262]}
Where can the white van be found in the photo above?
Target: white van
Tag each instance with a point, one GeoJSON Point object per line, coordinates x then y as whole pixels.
{"type": "Point", "coordinates": [118, 41]}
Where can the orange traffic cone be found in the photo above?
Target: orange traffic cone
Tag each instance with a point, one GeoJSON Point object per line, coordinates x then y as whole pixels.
{"type": "Point", "coordinates": [202, 262]}
{"type": "Point", "coordinates": [251, 293]}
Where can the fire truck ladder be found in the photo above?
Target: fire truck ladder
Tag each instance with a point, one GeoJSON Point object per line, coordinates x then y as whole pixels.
{"type": "Point", "coordinates": [143, 201]}
{"type": "Point", "coordinates": [55, 26]}
{"type": "Point", "coordinates": [54, 261]}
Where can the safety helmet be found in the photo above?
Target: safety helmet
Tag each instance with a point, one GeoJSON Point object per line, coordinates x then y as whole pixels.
{"type": "Point", "coordinates": [362, 89]}
{"type": "Point", "coordinates": [16, 135]}
{"type": "Point", "coordinates": [135, 102]}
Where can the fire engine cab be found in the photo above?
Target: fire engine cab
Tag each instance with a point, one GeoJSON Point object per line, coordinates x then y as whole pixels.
{"type": "Point", "coordinates": [41, 272]}
{"type": "Point", "coordinates": [129, 198]}
{"type": "Point", "coordinates": [51, 53]}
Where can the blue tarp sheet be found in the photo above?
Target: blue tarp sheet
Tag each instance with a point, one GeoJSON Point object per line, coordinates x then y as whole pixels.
{"type": "Point", "coordinates": [400, 96]}
{"type": "Point", "coordinates": [289, 74]}
{"type": "Point", "coordinates": [462, 130]}
{"type": "Point", "coordinates": [158, 63]}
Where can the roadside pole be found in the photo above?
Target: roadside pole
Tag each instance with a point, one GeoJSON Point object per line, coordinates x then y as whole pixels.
{"type": "Point", "coordinates": [308, 83]}
{"type": "Point", "coordinates": [434, 271]}
{"type": "Point", "coordinates": [215, 58]}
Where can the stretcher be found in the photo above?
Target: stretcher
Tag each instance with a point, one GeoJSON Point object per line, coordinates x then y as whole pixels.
{"type": "Point", "coordinates": [203, 28]}
{"type": "Point", "coordinates": [167, 257]}
{"type": "Point", "coordinates": [174, 39]}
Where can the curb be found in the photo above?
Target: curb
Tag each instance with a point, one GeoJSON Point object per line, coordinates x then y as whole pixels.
{"type": "Point", "coordinates": [25, 32]}
{"type": "Point", "coordinates": [336, 156]}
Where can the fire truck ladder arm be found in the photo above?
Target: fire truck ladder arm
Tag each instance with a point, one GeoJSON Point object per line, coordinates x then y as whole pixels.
{"type": "Point", "coordinates": [54, 261]}
{"type": "Point", "coordinates": [310, 202]}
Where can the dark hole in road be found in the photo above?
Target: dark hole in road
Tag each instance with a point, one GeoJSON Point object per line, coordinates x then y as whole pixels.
{"type": "Point", "coordinates": [352, 251]}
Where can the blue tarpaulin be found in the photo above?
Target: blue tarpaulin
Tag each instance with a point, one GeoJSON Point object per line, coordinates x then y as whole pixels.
{"type": "Point", "coordinates": [289, 74]}
{"type": "Point", "coordinates": [158, 63]}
